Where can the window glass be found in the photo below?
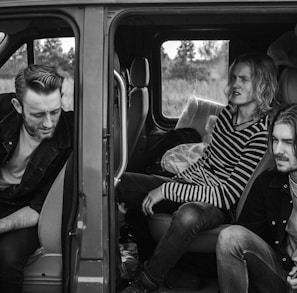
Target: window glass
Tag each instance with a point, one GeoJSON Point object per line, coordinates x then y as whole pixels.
{"type": "Point", "coordinates": [60, 53]}
{"type": "Point", "coordinates": [9, 70]}
{"type": "Point", "coordinates": [193, 68]}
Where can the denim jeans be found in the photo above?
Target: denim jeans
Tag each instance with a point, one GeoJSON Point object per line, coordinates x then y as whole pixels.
{"type": "Point", "coordinates": [246, 263]}
{"type": "Point", "coordinates": [187, 221]}
{"type": "Point", "coordinates": [15, 249]}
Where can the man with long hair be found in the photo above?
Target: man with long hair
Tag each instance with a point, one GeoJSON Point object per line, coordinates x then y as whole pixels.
{"type": "Point", "coordinates": [260, 253]}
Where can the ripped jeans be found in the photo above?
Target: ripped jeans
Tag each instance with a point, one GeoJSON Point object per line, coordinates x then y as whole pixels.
{"type": "Point", "coordinates": [246, 263]}
{"type": "Point", "coordinates": [188, 220]}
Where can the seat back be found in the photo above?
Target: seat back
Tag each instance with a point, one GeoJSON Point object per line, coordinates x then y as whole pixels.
{"type": "Point", "coordinates": [288, 86]}
{"type": "Point", "coordinates": [266, 163]}
{"type": "Point", "coordinates": [196, 114]}
{"type": "Point", "coordinates": [50, 234]}
{"type": "Point", "coordinates": [43, 272]}
{"type": "Point", "coordinates": [138, 100]}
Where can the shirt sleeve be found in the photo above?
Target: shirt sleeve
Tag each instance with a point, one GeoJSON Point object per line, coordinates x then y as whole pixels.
{"type": "Point", "coordinates": [222, 194]}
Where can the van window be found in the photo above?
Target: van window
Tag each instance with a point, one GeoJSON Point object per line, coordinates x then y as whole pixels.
{"type": "Point", "coordinates": [9, 70]}
{"type": "Point", "coordinates": [193, 68]}
{"type": "Point", "coordinates": [60, 53]}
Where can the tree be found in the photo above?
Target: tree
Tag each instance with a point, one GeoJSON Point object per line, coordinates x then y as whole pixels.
{"type": "Point", "coordinates": [184, 66]}
{"type": "Point", "coordinates": [17, 61]}
{"type": "Point", "coordinates": [166, 64]}
{"type": "Point", "coordinates": [51, 52]}
{"type": "Point", "coordinates": [186, 52]}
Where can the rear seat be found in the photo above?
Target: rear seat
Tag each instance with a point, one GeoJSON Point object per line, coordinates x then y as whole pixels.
{"type": "Point", "coordinates": [206, 241]}
{"type": "Point", "coordinates": [43, 272]}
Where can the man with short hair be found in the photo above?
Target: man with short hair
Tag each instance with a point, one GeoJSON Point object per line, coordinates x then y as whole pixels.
{"type": "Point", "coordinates": [260, 254]}
{"type": "Point", "coordinates": [36, 140]}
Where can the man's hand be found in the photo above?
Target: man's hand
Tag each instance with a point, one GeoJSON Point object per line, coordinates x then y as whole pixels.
{"type": "Point", "coordinates": [152, 198]}
{"type": "Point", "coordinates": [292, 278]}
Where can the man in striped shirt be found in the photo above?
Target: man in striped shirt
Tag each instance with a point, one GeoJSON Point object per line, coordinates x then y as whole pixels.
{"type": "Point", "coordinates": [202, 196]}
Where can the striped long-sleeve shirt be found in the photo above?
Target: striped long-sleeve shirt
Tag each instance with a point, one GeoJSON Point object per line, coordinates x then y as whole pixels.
{"type": "Point", "coordinates": [220, 176]}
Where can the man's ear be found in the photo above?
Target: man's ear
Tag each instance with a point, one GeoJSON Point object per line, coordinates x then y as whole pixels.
{"type": "Point", "coordinates": [17, 105]}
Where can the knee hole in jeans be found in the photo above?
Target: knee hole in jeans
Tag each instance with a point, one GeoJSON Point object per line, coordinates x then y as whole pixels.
{"type": "Point", "coordinates": [191, 215]}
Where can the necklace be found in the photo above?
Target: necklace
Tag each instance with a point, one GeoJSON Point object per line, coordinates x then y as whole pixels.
{"type": "Point", "coordinates": [235, 124]}
{"type": "Point", "coordinates": [239, 124]}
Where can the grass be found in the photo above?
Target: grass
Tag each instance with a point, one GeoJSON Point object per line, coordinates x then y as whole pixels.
{"type": "Point", "coordinates": [176, 93]}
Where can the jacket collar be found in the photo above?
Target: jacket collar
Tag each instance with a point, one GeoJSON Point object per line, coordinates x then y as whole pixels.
{"type": "Point", "coordinates": [279, 179]}
{"type": "Point", "coordinates": [11, 123]}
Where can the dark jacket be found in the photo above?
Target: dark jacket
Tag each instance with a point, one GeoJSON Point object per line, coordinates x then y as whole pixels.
{"type": "Point", "coordinates": [44, 165]}
{"type": "Point", "coordinates": [267, 210]}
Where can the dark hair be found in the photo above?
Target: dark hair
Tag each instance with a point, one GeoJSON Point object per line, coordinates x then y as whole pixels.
{"type": "Point", "coordinates": [264, 80]}
{"type": "Point", "coordinates": [286, 115]}
{"type": "Point", "coordinates": [39, 78]}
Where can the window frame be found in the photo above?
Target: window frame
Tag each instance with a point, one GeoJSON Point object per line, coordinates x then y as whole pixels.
{"type": "Point", "coordinates": [161, 120]}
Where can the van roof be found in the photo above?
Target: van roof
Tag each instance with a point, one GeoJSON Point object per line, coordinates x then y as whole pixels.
{"type": "Point", "coordinates": [18, 3]}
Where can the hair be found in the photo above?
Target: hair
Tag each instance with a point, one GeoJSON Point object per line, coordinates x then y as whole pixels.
{"type": "Point", "coordinates": [264, 80]}
{"type": "Point", "coordinates": [286, 115]}
{"type": "Point", "coordinates": [39, 78]}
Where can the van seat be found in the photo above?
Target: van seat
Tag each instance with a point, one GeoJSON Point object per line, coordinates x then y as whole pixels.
{"type": "Point", "coordinates": [206, 241]}
{"type": "Point", "coordinates": [138, 100]}
{"type": "Point", "coordinates": [195, 114]}
{"type": "Point", "coordinates": [43, 272]}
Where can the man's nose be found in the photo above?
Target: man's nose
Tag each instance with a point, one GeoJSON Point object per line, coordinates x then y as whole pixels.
{"type": "Point", "coordinates": [47, 122]}
{"type": "Point", "coordinates": [278, 148]}
{"type": "Point", "coordinates": [235, 83]}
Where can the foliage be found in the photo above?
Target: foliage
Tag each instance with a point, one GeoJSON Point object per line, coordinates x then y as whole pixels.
{"type": "Point", "coordinates": [51, 52]}
{"type": "Point", "coordinates": [48, 52]}
{"type": "Point", "coordinates": [176, 93]}
{"type": "Point", "coordinates": [186, 76]}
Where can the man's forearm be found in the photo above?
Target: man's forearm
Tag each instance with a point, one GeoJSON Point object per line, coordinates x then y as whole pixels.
{"type": "Point", "coordinates": [23, 218]}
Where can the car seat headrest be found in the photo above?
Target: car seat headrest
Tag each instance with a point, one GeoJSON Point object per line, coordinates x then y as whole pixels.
{"type": "Point", "coordinates": [288, 86]}
{"type": "Point", "coordinates": [139, 72]}
{"type": "Point", "coordinates": [284, 50]}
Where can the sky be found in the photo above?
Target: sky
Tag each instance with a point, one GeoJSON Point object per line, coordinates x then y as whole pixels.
{"type": "Point", "coordinates": [67, 43]}
{"type": "Point", "coordinates": [170, 48]}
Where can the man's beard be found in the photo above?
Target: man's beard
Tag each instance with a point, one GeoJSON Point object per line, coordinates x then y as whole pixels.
{"type": "Point", "coordinates": [34, 131]}
{"type": "Point", "coordinates": [289, 169]}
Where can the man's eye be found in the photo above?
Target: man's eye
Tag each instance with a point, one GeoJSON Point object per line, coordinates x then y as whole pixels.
{"type": "Point", "coordinates": [37, 115]}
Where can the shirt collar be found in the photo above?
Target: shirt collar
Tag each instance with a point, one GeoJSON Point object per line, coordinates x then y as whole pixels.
{"type": "Point", "coordinates": [279, 179]}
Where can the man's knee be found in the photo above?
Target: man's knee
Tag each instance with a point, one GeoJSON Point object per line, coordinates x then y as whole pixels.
{"type": "Point", "coordinates": [191, 215]}
{"type": "Point", "coordinates": [230, 238]}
